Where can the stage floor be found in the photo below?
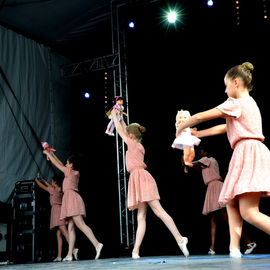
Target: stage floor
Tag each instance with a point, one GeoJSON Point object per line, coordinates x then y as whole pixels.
{"type": "Point", "coordinates": [153, 263]}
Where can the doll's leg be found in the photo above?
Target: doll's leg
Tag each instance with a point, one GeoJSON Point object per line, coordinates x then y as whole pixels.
{"type": "Point", "coordinates": [109, 125]}
{"type": "Point", "coordinates": [189, 155]}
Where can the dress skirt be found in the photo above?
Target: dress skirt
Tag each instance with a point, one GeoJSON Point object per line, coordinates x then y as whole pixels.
{"type": "Point", "coordinates": [55, 217]}
{"type": "Point", "coordinates": [142, 187]}
{"type": "Point", "coordinates": [211, 197]}
{"type": "Point", "coordinates": [249, 170]}
{"type": "Point", "coordinates": [72, 205]}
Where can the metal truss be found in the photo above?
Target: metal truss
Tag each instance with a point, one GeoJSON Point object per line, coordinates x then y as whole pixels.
{"type": "Point", "coordinates": [91, 65]}
{"type": "Point", "coordinates": [117, 62]}
{"type": "Point", "coordinates": [126, 218]}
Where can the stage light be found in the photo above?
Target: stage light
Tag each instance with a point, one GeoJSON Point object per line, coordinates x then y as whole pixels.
{"type": "Point", "coordinates": [210, 3]}
{"type": "Point", "coordinates": [131, 24]}
{"type": "Point", "coordinates": [87, 95]}
{"type": "Point", "coordinates": [172, 16]}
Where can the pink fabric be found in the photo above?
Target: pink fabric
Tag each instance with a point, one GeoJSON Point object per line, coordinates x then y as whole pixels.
{"type": "Point", "coordinates": [249, 169]}
{"type": "Point", "coordinates": [72, 202]}
{"type": "Point", "coordinates": [212, 179]}
{"type": "Point", "coordinates": [243, 119]}
{"type": "Point", "coordinates": [56, 201]}
{"type": "Point", "coordinates": [142, 186]}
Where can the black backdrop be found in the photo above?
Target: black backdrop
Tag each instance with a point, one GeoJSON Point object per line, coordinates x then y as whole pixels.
{"type": "Point", "coordinates": [169, 68]}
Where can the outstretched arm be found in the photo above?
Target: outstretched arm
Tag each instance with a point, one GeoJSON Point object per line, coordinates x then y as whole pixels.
{"type": "Point", "coordinates": [199, 118]}
{"type": "Point", "coordinates": [55, 161]}
{"type": "Point", "coordinates": [120, 126]}
{"type": "Point", "coordinates": [44, 187]}
{"type": "Point", "coordinates": [216, 130]}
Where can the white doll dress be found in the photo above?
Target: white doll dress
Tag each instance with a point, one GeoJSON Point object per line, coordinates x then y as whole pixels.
{"type": "Point", "coordinates": [185, 139]}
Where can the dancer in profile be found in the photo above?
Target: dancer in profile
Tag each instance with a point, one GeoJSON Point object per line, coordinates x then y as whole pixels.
{"type": "Point", "coordinates": [56, 194]}
{"type": "Point", "coordinates": [142, 188]}
{"type": "Point", "coordinates": [73, 209]}
{"type": "Point", "coordinates": [209, 168]}
{"type": "Point", "coordinates": [248, 177]}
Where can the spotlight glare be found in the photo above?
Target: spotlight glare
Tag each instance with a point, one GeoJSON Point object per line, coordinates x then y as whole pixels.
{"type": "Point", "coordinates": [172, 16]}
{"type": "Point", "coordinates": [131, 25]}
{"type": "Point", "coordinates": [210, 3]}
{"type": "Point", "coordinates": [86, 95]}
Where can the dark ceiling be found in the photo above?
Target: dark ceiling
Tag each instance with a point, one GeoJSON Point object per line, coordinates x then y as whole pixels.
{"type": "Point", "coordinates": [60, 24]}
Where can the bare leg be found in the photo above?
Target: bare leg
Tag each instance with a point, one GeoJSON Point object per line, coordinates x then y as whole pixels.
{"type": "Point", "coordinates": [235, 223]}
{"type": "Point", "coordinates": [59, 243]}
{"type": "Point", "coordinates": [167, 220]}
{"type": "Point", "coordinates": [141, 219]}
{"type": "Point", "coordinates": [64, 231]}
{"type": "Point", "coordinates": [249, 209]}
{"type": "Point", "coordinates": [71, 237]}
{"type": "Point", "coordinates": [213, 231]}
{"type": "Point", "coordinates": [80, 224]}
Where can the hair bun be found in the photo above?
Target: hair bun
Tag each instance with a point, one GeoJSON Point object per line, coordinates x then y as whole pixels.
{"type": "Point", "coordinates": [248, 66]}
{"type": "Point", "coordinates": [142, 129]}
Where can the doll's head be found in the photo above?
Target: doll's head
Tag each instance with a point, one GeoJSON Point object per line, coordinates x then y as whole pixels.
{"type": "Point", "coordinates": [119, 100]}
{"type": "Point", "coordinates": [182, 116]}
{"type": "Point", "coordinates": [135, 131]}
{"type": "Point", "coordinates": [45, 145]}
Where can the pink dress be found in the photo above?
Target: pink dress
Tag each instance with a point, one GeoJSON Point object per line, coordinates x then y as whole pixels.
{"type": "Point", "coordinates": [72, 202]}
{"type": "Point", "coordinates": [249, 169]}
{"type": "Point", "coordinates": [142, 186]}
{"type": "Point", "coordinates": [212, 179]}
{"type": "Point", "coordinates": [56, 202]}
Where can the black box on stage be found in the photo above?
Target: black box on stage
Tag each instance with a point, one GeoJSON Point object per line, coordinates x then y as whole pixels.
{"type": "Point", "coordinates": [31, 237]}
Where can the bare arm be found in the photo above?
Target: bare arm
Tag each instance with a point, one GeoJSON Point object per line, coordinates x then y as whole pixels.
{"type": "Point", "coordinates": [55, 161]}
{"type": "Point", "coordinates": [120, 126]}
{"type": "Point", "coordinates": [216, 130]}
{"type": "Point", "coordinates": [41, 185]}
{"type": "Point", "coordinates": [199, 118]}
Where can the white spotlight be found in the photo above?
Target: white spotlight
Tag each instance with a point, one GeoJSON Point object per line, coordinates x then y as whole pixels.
{"type": "Point", "coordinates": [172, 16]}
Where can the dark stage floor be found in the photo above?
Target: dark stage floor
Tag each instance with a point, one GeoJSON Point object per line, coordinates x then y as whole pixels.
{"type": "Point", "coordinates": [203, 262]}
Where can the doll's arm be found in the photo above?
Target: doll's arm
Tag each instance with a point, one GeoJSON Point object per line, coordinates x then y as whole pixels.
{"type": "Point", "coordinates": [125, 114]}
{"type": "Point", "coordinates": [55, 161]}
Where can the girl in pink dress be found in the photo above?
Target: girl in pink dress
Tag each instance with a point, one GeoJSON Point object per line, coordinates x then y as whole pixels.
{"type": "Point", "coordinates": [142, 188]}
{"type": "Point", "coordinates": [249, 172]}
{"type": "Point", "coordinates": [73, 209]}
{"type": "Point", "coordinates": [210, 172]}
{"type": "Point", "coordinates": [56, 195]}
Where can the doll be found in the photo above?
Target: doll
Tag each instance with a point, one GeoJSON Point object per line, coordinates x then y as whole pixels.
{"type": "Point", "coordinates": [120, 111]}
{"type": "Point", "coordinates": [46, 146]}
{"type": "Point", "coordinates": [185, 141]}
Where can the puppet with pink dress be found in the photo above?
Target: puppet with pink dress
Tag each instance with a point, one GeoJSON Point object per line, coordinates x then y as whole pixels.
{"type": "Point", "coordinates": [185, 141]}
{"type": "Point", "coordinates": [119, 101]}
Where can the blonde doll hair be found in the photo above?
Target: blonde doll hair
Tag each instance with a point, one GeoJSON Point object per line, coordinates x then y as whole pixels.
{"type": "Point", "coordinates": [244, 72]}
{"type": "Point", "coordinates": [136, 129]}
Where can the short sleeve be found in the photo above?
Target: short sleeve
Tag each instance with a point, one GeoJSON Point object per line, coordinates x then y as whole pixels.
{"type": "Point", "coordinates": [205, 161]}
{"type": "Point", "coordinates": [50, 189]}
{"type": "Point", "coordinates": [67, 171]}
{"type": "Point", "coordinates": [231, 107]}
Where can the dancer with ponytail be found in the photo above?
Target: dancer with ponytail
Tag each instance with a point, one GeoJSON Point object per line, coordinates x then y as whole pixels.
{"type": "Point", "coordinates": [248, 177]}
{"type": "Point", "coordinates": [142, 188]}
